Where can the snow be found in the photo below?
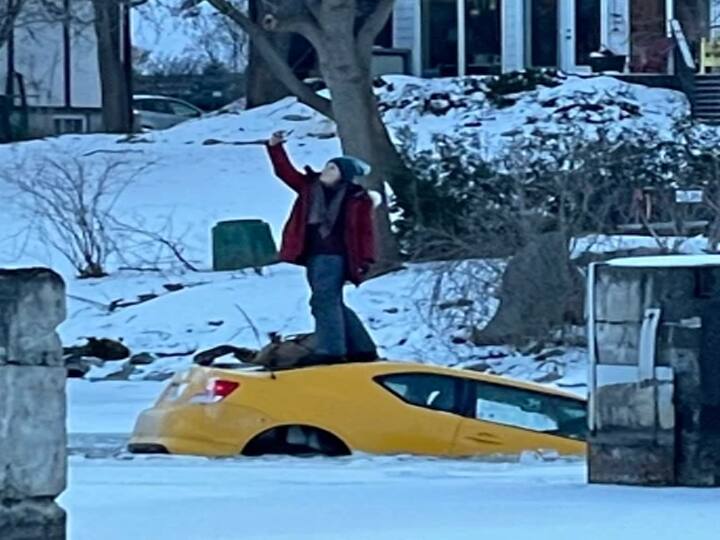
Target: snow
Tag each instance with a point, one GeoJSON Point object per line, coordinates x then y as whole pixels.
{"type": "Point", "coordinates": [601, 243]}
{"type": "Point", "coordinates": [667, 261]}
{"type": "Point", "coordinates": [215, 168]}
{"type": "Point", "coordinates": [364, 498]}
{"type": "Point", "coordinates": [242, 308]}
{"type": "Point", "coordinates": [109, 407]}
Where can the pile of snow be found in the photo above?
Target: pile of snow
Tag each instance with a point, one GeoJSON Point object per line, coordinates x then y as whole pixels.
{"type": "Point", "coordinates": [576, 106]}
{"type": "Point", "coordinates": [216, 168]}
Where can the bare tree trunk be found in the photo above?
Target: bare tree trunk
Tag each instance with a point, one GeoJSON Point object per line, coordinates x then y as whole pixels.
{"type": "Point", "coordinates": [116, 99]}
{"type": "Point", "coordinates": [263, 87]}
{"type": "Point", "coordinates": [347, 73]}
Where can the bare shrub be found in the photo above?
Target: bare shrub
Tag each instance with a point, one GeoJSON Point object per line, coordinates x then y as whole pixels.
{"type": "Point", "coordinates": [71, 203]}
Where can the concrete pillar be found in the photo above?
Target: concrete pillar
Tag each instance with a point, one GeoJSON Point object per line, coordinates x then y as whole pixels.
{"type": "Point", "coordinates": [33, 456]}
{"type": "Point", "coordinates": [654, 332]}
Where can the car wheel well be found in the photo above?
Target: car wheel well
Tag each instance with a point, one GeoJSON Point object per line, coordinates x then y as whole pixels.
{"type": "Point", "coordinates": [296, 440]}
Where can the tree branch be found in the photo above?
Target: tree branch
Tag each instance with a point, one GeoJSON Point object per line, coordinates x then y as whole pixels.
{"type": "Point", "coordinates": [374, 24]}
{"type": "Point", "coordinates": [279, 66]}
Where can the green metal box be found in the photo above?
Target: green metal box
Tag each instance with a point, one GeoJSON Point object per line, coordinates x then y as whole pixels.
{"type": "Point", "coordinates": [242, 243]}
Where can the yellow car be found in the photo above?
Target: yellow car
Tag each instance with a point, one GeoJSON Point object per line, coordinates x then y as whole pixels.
{"type": "Point", "coordinates": [379, 407]}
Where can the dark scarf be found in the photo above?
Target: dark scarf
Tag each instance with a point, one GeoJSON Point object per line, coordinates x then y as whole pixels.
{"type": "Point", "coordinates": [321, 213]}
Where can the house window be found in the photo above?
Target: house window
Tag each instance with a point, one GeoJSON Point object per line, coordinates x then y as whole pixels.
{"type": "Point", "coordinates": [440, 37]}
{"type": "Point", "coordinates": [530, 410]}
{"type": "Point", "coordinates": [483, 36]}
{"type": "Point", "coordinates": [69, 124]}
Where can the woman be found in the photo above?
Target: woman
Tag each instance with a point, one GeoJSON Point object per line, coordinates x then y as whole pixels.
{"type": "Point", "coordinates": [330, 232]}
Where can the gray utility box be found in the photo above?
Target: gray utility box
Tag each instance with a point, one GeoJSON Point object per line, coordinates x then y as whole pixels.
{"type": "Point", "coordinates": [654, 341]}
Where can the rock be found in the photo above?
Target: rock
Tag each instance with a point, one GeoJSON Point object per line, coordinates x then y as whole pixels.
{"type": "Point", "coordinates": [323, 136]}
{"type": "Point", "coordinates": [123, 375]}
{"type": "Point", "coordinates": [541, 291]}
{"type": "Point", "coordinates": [550, 353]}
{"type": "Point", "coordinates": [547, 378]}
{"type": "Point", "coordinates": [173, 287]}
{"type": "Point", "coordinates": [296, 118]}
{"type": "Point", "coordinates": [142, 359]}
{"type": "Point", "coordinates": [77, 366]}
{"type": "Point", "coordinates": [158, 376]}
{"type": "Point", "coordinates": [104, 349]}
{"type": "Point", "coordinates": [482, 367]}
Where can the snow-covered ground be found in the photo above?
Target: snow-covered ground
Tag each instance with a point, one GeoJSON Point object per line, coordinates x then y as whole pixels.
{"type": "Point", "coordinates": [115, 496]}
{"type": "Point", "coordinates": [215, 168]}
{"type": "Point", "coordinates": [370, 499]}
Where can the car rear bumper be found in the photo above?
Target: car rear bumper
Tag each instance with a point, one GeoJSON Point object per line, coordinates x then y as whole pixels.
{"type": "Point", "coordinates": [204, 430]}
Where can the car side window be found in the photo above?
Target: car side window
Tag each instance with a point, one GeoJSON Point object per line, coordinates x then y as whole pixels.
{"type": "Point", "coordinates": [180, 109]}
{"type": "Point", "coordinates": [436, 392]}
{"type": "Point", "coordinates": [530, 410]}
{"type": "Point", "coordinates": [156, 106]}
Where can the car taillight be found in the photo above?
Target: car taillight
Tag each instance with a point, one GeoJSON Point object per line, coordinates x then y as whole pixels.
{"type": "Point", "coordinates": [222, 388]}
{"type": "Point", "coordinates": [216, 390]}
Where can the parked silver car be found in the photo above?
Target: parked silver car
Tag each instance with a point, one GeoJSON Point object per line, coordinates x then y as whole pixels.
{"type": "Point", "coordinates": [160, 112]}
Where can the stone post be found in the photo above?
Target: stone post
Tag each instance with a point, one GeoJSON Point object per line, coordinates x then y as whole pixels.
{"type": "Point", "coordinates": [33, 455]}
{"type": "Point", "coordinates": [654, 336]}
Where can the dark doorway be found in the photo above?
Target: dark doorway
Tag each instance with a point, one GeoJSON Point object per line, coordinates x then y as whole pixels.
{"type": "Point", "coordinates": [649, 45]}
{"type": "Point", "coordinates": [543, 33]}
{"type": "Point", "coordinates": [440, 37]}
{"type": "Point", "coordinates": [484, 35]}
{"type": "Point", "coordinates": [587, 30]}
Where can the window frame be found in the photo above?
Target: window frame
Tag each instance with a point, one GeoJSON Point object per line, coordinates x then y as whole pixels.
{"type": "Point", "coordinates": [62, 119]}
{"type": "Point", "coordinates": [459, 390]}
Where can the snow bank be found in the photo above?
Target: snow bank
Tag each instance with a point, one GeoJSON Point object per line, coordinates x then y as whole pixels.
{"type": "Point", "coordinates": [216, 168]}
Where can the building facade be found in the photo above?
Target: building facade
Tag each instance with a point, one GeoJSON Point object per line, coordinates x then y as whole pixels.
{"type": "Point", "coordinates": [456, 37]}
{"type": "Point", "coordinates": [49, 73]}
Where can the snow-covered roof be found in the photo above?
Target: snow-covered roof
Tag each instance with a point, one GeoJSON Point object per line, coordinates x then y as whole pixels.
{"type": "Point", "coordinates": [667, 261]}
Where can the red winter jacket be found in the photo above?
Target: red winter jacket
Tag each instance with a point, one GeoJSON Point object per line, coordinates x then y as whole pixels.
{"type": "Point", "coordinates": [359, 231]}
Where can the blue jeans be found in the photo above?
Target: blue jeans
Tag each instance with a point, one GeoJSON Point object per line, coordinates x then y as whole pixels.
{"type": "Point", "coordinates": [338, 330]}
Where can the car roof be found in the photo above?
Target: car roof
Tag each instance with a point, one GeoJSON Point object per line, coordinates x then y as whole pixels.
{"type": "Point", "coordinates": [375, 369]}
{"type": "Point", "coordinates": [141, 97]}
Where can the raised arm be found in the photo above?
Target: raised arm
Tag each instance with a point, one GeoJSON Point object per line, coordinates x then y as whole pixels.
{"type": "Point", "coordinates": [282, 166]}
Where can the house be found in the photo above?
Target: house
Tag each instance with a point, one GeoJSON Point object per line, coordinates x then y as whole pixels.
{"type": "Point", "coordinates": [457, 37]}
{"type": "Point", "coordinates": [49, 73]}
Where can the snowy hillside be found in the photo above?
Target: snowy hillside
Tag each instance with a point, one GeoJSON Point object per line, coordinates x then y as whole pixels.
{"type": "Point", "coordinates": [215, 168]}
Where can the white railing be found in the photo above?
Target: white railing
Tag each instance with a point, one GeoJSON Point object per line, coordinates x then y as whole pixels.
{"type": "Point", "coordinates": [681, 40]}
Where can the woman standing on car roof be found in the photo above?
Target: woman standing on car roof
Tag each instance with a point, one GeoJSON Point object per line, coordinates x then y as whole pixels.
{"type": "Point", "coordinates": [330, 232]}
